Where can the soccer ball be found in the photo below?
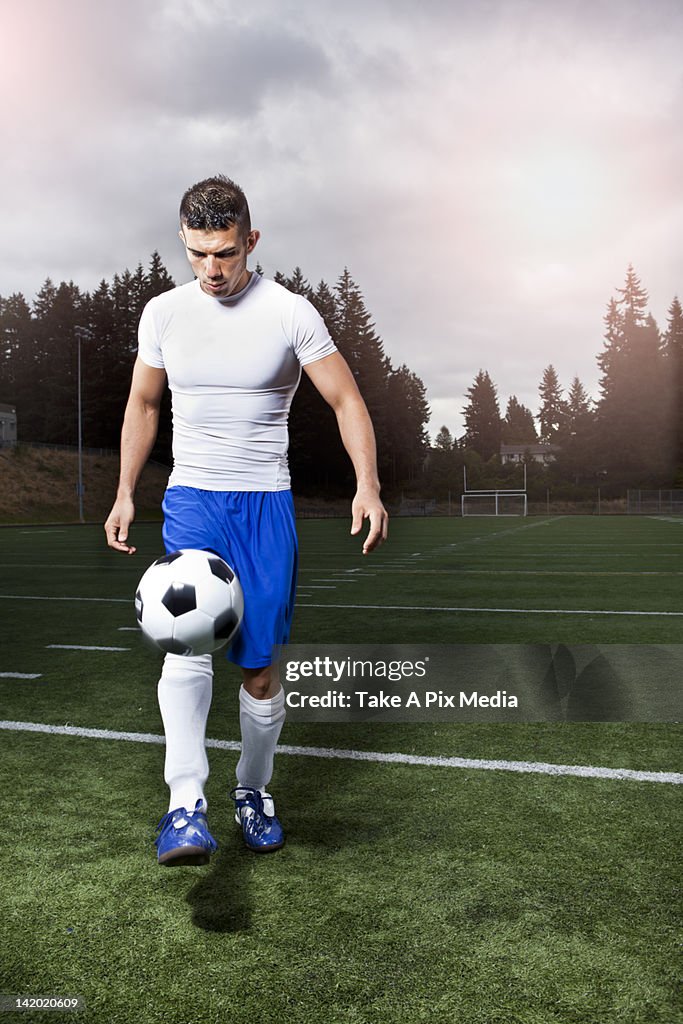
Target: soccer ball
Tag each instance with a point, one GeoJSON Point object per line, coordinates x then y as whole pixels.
{"type": "Point", "coordinates": [189, 602]}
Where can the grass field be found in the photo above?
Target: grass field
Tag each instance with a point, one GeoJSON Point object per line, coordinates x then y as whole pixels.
{"type": "Point", "coordinates": [405, 893]}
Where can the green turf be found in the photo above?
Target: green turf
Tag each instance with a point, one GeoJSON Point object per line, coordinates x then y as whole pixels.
{"type": "Point", "coordinates": [403, 894]}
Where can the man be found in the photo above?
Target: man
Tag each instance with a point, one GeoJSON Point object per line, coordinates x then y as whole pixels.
{"type": "Point", "coordinates": [231, 346]}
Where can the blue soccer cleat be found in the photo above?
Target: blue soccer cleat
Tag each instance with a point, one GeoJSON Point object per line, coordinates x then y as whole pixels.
{"type": "Point", "coordinates": [255, 813]}
{"type": "Point", "coordinates": [184, 838]}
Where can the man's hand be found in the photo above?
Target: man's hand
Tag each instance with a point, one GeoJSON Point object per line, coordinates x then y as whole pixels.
{"type": "Point", "coordinates": [118, 524]}
{"type": "Point", "coordinates": [367, 505]}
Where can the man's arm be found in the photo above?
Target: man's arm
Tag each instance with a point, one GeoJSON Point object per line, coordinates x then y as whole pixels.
{"type": "Point", "coordinates": [334, 380]}
{"type": "Point", "coordinates": [140, 425]}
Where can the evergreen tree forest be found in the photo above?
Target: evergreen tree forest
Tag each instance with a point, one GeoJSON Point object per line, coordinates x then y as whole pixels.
{"type": "Point", "coordinates": [631, 436]}
{"type": "Point", "coordinates": [39, 346]}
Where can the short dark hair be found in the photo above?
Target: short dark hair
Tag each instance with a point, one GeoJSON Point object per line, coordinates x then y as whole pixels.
{"type": "Point", "coordinates": [214, 204]}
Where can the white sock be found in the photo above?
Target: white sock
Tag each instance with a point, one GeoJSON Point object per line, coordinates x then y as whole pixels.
{"type": "Point", "coordinates": [260, 723]}
{"type": "Point", "coordinates": [184, 692]}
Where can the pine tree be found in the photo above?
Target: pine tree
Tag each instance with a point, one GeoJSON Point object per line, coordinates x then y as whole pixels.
{"type": "Point", "coordinates": [324, 301]}
{"type": "Point", "coordinates": [297, 283]}
{"type": "Point", "coordinates": [17, 360]}
{"type": "Point", "coordinates": [157, 279]}
{"type": "Point", "coordinates": [518, 426]}
{"type": "Point", "coordinates": [634, 438]}
{"type": "Point", "coordinates": [672, 351]}
{"type": "Point", "coordinates": [317, 458]}
{"type": "Point", "coordinates": [408, 440]}
{"type": "Point", "coordinates": [622, 316]}
{"type": "Point", "coordinates": [362, 348]}
{"type": "Point", "coordinates": [578, 409]}
{"type": "Point", "coordinates": [103, 400]}
{"type": "Point", "coordinates": [613, 347]}
{"type": "Point", "coordinates": [633, 301]}
{"type": "Point", "coordinates": [552, 411]}
{"type": "Point", "coordinates": [444, 465]}
{"type": "Point", "coordinates": [444, 440]}
{"type": "Point", "coordinates": [576, 459]}
{"type": "Point", "coordinates": [482, 417]}
{"type": "Point", "coordinates": [60, 310]}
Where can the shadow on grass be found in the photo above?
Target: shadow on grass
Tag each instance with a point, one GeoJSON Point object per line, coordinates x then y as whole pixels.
{"type": "Point", "coordinates": [220, 900]}
{"type": "Point", "coordinates": [321, 811]}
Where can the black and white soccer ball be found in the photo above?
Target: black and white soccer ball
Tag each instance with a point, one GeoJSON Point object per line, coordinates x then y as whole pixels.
{"type": "Point", "coordinates": [189, 602]}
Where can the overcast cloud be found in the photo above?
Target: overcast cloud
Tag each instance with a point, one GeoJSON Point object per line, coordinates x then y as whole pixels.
{"type": "Point", "coordinates": [485, 170]}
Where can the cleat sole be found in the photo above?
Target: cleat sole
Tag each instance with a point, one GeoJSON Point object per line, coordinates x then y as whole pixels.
{"type": "Point", "coordinates": [265, 849]}
{"type": "Point", "coordinates": [185, 856]}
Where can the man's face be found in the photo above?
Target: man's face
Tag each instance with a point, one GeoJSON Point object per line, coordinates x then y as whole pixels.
{"type": "Point", "coordinates": [219, 258]}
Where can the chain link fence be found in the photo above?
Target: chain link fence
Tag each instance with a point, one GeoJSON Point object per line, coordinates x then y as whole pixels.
{"type": "Point", "coordinates": [652, 503]}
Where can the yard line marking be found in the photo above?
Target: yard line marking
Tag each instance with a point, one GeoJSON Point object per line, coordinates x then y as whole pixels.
{"type": "Point", "coordinates": [533, 572]}
{"type": "Point", "coordinates": [312, 586]}
{"type": "Point", "coordinates": [392, 607]}
{"type": "Point", "coordinates": [336, 579]}
{"type": "Point", "coordinates": [42, 531]}
{"type": "Point", "coordinates": [81, 647]}
{"type": "Point", "coordinates": [483, 537]}
{"type": "Point", "coordinates": [93, 566]}
{"type": "Point", "coordinates": [129, 629]}
{"type": "Point", "coordinates": [503, 611]}
{"type": "Point", "coordinates": [20, 675]}
{"type": "Point", "coordinates": [534, 767]}
{"type": "Point", "coordinates": [26, 597]}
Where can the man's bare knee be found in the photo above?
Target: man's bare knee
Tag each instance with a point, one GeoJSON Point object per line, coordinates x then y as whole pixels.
{"type": "Point", "coordinates": [261, 683]}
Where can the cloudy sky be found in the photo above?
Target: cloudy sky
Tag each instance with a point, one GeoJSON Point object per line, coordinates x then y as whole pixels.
{"type": "Point", "coordinates": [486, 170]}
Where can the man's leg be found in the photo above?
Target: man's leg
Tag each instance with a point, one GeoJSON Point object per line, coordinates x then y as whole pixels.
{"type": "Point", "coordinates": [184, 693]}
{"type": "Point", "coordinates": [184, 700]}
{"type": "Point", "coordinates": [262, 714]}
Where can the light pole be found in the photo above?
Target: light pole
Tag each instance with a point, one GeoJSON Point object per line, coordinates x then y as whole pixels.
{"type": "Point", "coordinates": [81, 334]}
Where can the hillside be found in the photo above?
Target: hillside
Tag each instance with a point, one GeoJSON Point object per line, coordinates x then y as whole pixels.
{"type": "Point", "coordinates": [39, 485]}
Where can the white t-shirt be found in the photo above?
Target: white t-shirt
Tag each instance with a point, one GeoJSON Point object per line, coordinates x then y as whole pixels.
{"type": "Point", "coordinates": [233, 366]}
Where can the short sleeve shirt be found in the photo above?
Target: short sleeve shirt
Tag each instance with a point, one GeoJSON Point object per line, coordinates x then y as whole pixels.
{"type": "Point", "coordinates": [233, 366]}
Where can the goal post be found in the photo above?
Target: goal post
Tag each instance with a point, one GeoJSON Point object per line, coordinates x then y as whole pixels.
{"type": "Point", "coordinates": [494, 501]}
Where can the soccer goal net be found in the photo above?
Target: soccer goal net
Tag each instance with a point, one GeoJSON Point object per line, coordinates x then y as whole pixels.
{"type": "Point", "coordinates": [494, 503]}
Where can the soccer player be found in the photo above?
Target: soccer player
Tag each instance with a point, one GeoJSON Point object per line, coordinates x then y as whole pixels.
{"type": "Point", "coordinates": [231, 346]}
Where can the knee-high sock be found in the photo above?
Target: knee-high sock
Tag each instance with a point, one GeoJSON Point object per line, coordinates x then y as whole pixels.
{"type": "Point", "coordinates": [184, 694]}
{"type": "Point", "coordinates": [260, 723]}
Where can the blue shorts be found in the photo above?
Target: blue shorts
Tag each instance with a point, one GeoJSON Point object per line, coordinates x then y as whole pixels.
{"type": "Point", "coordinates": [254, 531]}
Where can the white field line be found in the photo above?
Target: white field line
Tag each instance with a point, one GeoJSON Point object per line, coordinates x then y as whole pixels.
{"type": "Point", "coordinates": [390, 607]}
{"type": "Point", "coordinates": [503, 611]}
{"type": "Point", "coordinates": [81, 647]}
{"type": "Point", "coordinates": [92, 567]}
{"type": "Point", "coordinates": [482, 538]}
{"type": "Point", "coordinates": [533, 767]}
{"type": "Point", "coordinates": [42, 531]}
{"type": "Point", "coordinates": [105, 600]}
{"type": "Point", "coordinates": [336, 579]}
{"type": "Point", "coordinates": [20, 675]}
{"type": "Point", "coordinates": [530, 572]}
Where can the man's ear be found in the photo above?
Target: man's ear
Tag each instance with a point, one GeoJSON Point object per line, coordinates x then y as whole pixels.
{"type": "Point", "coordinates": [252, 239]}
